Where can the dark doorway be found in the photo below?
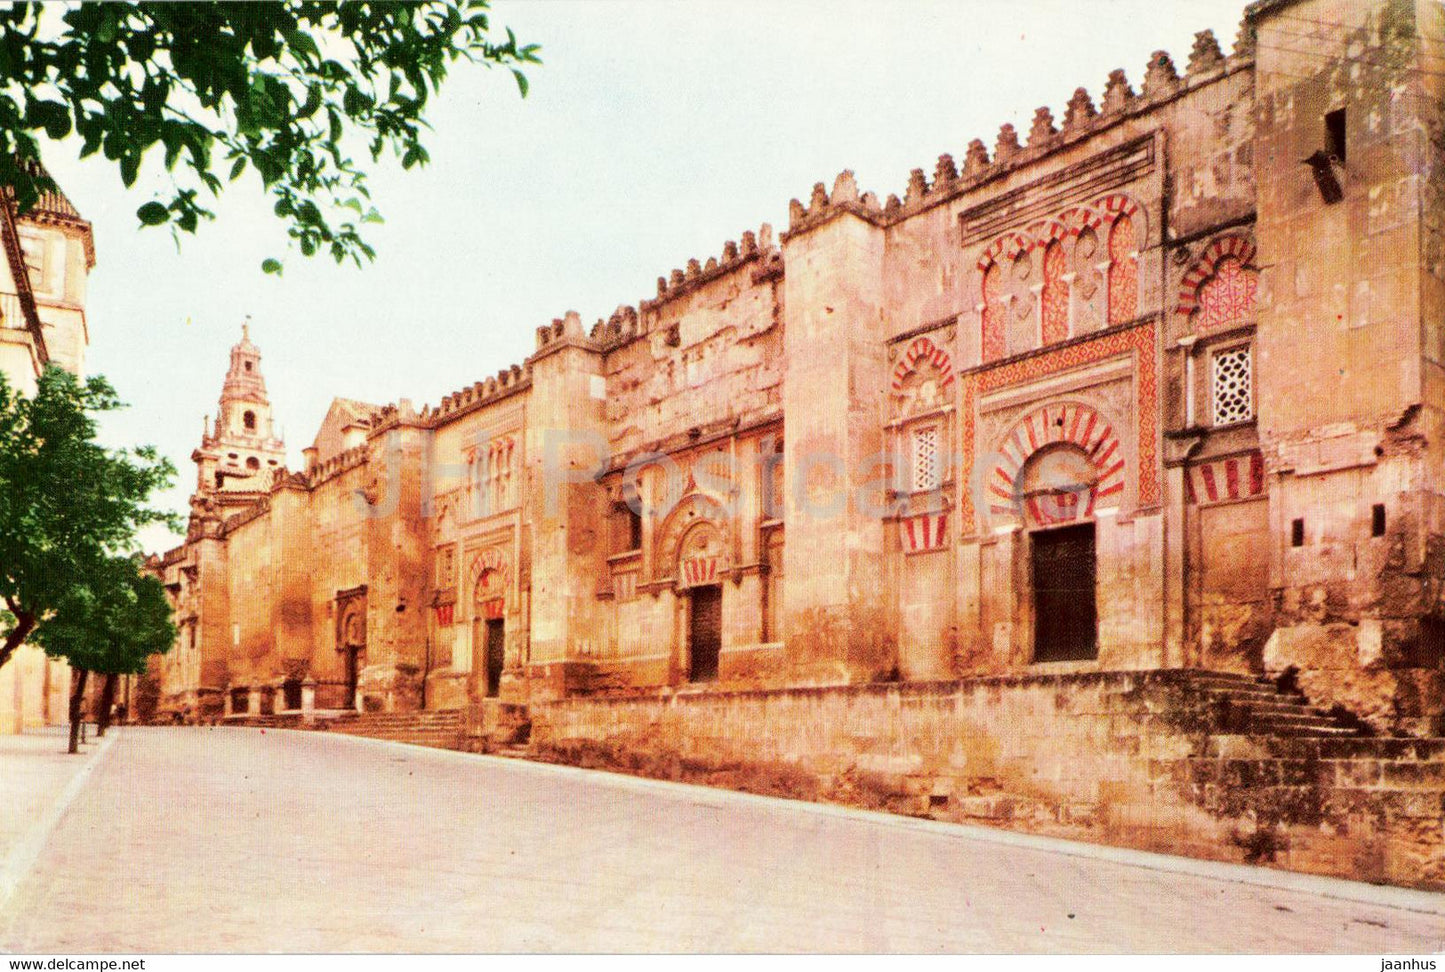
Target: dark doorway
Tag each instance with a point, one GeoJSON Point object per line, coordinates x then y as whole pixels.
{"type": "Point", "coordinates": [704, 632]}
{"type": "Point", "coordinates": [1066, 622]}
{"type": "Point", "coordinates": [496, 654]}
{"type": "Point", "coordinates": [353, 671]}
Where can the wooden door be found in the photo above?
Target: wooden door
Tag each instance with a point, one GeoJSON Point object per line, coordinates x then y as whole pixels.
{"type": "Point", "coordinates": [704, 632]}
{"type": "Point", "coordinates": [1066, 623]}
{"type": "Point", "coordinates": [496, 654]}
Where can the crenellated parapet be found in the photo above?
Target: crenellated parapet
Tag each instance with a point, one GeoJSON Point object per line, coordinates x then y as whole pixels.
{"type": "Point", "coordinates": [258, 508]}
{"type": "Point", "coordinates": [503, 384]}
{"type": "Point", "coordinates": [336, 465]}
{"type": "Point", "coordinates": [563, 330]}
{"type": "Point", "coordinates": [1082, 119]}
{"type": "Point", "coordinates": [620, 328]}
{"type": "Point", "coordinates": [735, 255]}
{"type": "Point", "coordinates": [284, 478]}
{"type": "Point", "coordinates": [845, 198]}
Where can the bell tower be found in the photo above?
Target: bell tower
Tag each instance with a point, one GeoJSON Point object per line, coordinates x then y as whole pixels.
{"type": "Point", "coordinates": [240, 451]}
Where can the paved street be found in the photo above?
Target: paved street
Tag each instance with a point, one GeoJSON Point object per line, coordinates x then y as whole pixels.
{"type": "Point", "coordinates": [234, 840]}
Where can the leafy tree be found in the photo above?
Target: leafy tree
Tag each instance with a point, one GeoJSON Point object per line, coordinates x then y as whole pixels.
{"type": "Point", "coordinates": [66, 503]}
{"type": "Point", "coordinates": [110, 622]}
{"type": "Point", "coordinates": [286, 89]}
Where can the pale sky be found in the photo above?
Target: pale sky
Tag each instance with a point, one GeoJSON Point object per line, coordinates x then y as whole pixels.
{"type": "Point", "coordinates": [653, 133]}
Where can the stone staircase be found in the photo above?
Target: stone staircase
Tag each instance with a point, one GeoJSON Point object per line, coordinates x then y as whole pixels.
{"type": "Point", "coordinates": [1257, 706]}
{"type": "Point", "coordinates": [438, 728]}
{"type": "Point", "coordinates": [289, 720]}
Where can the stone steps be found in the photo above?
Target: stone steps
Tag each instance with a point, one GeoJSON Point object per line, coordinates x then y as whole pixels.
{"type": "Point", "coordinates": [1255, 705]}
{"type": "Point", "coordinates": [439, 729]}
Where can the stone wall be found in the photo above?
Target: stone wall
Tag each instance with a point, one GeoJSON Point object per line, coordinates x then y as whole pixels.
{"type": "Point", "coordinates": [1126, 758]}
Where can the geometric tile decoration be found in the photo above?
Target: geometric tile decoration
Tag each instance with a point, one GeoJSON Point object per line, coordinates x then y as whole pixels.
{"type": "Point", "coordinates": [1227, 299]}
{"type": "Point", "coordinates": [1123, 271]}
{"type": "Point", "coordinates": [1055, 308]}
{"type": "Point", "coordinates": [1138, 342]}
{"type": "Point", "coordinates": [1238, 477]}
{"type": "Point", "coordinates": [1232, 302]}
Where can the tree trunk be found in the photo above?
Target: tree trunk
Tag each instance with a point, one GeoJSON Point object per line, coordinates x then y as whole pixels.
{"type": "Point", "coordinates": [107, 699]}
{"type": "Point", "coordinates": [24, 624]}
{"type": "Point", "coordinates": [77, 697]}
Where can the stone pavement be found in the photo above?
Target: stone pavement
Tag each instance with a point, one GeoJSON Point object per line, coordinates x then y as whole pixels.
{"type": "Point", "coordinates": [208, 839]}
{"type": "Point", "coordinates": [35, 770]}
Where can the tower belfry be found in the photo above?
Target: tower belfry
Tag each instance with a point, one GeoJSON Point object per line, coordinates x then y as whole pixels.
{"type": "Point", "coordinates": [240, 451]}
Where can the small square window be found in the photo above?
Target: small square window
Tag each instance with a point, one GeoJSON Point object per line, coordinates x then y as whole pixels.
{"type": "Point", "coordinates": [1297, 533]}
{"type": "Point", "coordinates": [1232, 386]}
{"type": "Point", "coordinates": [1377, 520]}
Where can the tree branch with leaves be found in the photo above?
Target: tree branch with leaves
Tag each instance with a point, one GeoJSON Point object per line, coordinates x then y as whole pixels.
{"type": "Point", "coordinates": [67, 504]}
{"type": "Point", "coordinates": [109, 621]}
{"type": "Point", "coordinates": [209, 91]}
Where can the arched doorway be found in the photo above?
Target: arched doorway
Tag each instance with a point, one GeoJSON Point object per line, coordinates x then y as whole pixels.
{"type": "Point", "coordinates": [700, 566]}
{"type": "Point", "coordinates": [352, 645]}
{"type": "Point", "coordinates": [489, 629]}
{"type": "Point", "coordinates": [1056, 491]}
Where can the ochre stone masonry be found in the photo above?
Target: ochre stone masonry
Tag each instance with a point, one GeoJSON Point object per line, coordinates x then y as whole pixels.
{"type": "Point", "coordinates": [1132, 411]}
{"type": "Point", "coordinates": [1179, 762]}
{"type": "Point", "coordinates": [47, 258]}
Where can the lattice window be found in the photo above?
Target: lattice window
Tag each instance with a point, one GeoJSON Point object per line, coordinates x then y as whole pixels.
{"type": "Point", "coordinates": [926, 465]}
{"type": "Point", "coordinates": [1233, 388]}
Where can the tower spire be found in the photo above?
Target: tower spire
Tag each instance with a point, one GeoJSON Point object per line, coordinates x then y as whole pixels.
{"type": "Point", "coordinates": [235, 461]}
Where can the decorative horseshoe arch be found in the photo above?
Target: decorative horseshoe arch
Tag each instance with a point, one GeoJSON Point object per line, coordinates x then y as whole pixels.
{"type": "Point", "coordinates": [679, 538]}
{"type": "Point", "coordinates": [1227, 261]}
{"type": "Point", "coordinates": [1006, 247]}
{"type": "Point", "coordinates": [922, 378]}
{"type": "Point", "coordinates": [923, 351]}
{"type": "Point", "coordinates": [489, 578]}
{"type": "Point", "coordinates": [702, 555]}
{"type": "Point", "coordinates": [1121, 226]}
{"type": "Point", "coordinates": [1066, 423]}
{"type": "Point", "coordinates": [352, 628]}
{"type": "Point", "coordinates": [1069, 222]}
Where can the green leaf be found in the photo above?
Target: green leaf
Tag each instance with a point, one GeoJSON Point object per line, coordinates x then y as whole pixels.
{"type": "Point", "coordinates": [302, 43]}
{"type": "Point", "coordinates": [271, 265]}
{"type": "Point", "coordinates": [246, 83]}
{"type": "Point", "coordinates": [153, 214]}
{"type": "Point", "coordinates": [313, 102]}
{"type": "Point", "coordinates": [129, 168]}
